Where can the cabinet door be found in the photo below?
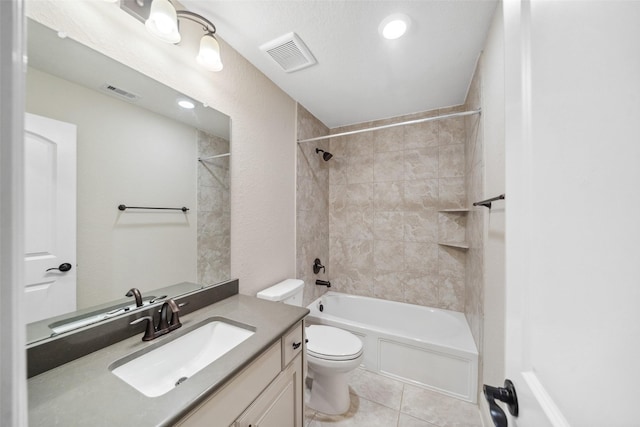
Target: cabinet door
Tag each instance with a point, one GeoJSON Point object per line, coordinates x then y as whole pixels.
{"type": "Point", "coordinates": [225, 405]}
{"type": "Point", "coordinates": [280, 405]}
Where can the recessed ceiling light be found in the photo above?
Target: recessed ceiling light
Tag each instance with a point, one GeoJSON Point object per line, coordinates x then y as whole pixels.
{"type": "Point", "coordinates": [186, 104]}
{"type": "Point", "coordinates": [394, 26]}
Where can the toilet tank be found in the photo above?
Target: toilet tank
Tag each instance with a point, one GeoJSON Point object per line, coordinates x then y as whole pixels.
{"type": "Point", "coordinates": [288, 291]}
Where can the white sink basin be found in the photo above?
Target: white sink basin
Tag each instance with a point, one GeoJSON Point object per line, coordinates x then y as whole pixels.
{"type": "Point", "coordinates": [155, 372]}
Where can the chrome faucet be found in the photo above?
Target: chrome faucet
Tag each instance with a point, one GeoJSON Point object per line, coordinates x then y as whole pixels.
{"type": "Point", "coordinates": [134, 292]}
{"type": "Point", "coordinates": [165, 325]}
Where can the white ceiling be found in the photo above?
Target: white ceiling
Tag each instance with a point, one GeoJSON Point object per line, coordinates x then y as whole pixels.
{"type": "Point", "coordinates": [359, 75]}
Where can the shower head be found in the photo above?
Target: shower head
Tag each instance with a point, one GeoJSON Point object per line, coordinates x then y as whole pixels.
{"type": "Point", "coordinates": [325, 154]}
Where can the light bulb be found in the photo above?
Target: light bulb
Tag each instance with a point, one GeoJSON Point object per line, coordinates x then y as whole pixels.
{"type": "Point", "coordinates": [186, 104]}
{"type": "Point", "coordinates": [394, 26]}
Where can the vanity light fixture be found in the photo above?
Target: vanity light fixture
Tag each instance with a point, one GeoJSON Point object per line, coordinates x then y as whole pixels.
{"type": "Point", "coordinates": [394, 26]}
{"type": "Point", "coordinates": [163, 24]}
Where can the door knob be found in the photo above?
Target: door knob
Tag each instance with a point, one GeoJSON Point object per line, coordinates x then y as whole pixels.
{"type": "Point", "coordinates": [62, 267]}
{"type": "Point", "coordinates": [506, 394]}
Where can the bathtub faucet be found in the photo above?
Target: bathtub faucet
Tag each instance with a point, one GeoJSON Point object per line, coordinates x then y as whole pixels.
{"type": "Point", "coordinates": [317, 265]}
{"type": "Point", "coordinates": [323, 283]}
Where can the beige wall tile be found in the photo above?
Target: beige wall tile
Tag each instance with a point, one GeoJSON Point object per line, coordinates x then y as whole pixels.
{"type": "Point", "coordinates": [359, 196]}
{"type": "Point", "coordinates": [452, 227]}
{"type": "Point", "coordinates": [421, 194]}
{"type": "Point", "coordinates": [421, 289]}
{"type": "Point", "coordinates": [451, 160]}
{"type": "Point", "coordinates": [384, 190]}
{"type": "Point", "coordinates": [421, 135]}
{"type": "Point", "coordinates": [389, 286]}
{"type": "Point", "coordinates": [213, 211]}
{"type": "Point", "coordinates": [360, 144]}
{"type": "Point", "coordinates": [388, 196]}
{"type": "Point", "coordinates": [388, 256]}
{"type": "Point", "coordinates": [346, 253]}
{"type": "Point", "coordinates": [451, 131]}
{"type": "Point", "coordinates": [388, 166]}
{"type": "Point", "coordinates": [421, 258]}
{"type": "Point", "coordinates": [451, 192]}
{"type": "Point", "coordinates": [338, 170]}
{"type": "Point", "coordinates": [421, 226]}
{"type": "Point", "coordinates": [390, 139]}
{"type": "Point", "coordinates": [421, 163]}
{"type": "Point", "coordinates": [313, 205]}
{"type": "Point", "coordinates": [360, 169]}
{"type": "Point", "coordinates": [388, 225]}
{"type": "Point", "coordinates": [360, 224]}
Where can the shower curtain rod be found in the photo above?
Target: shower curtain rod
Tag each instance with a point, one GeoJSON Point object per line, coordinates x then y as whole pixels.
{"type": "Point", "coordinates": [409, 122]}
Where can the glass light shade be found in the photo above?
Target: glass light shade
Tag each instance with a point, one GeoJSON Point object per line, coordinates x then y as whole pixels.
{"type": "Point", "coordinates": [163, 21]}
{"type": "Point", "coordinates": [209, 54]}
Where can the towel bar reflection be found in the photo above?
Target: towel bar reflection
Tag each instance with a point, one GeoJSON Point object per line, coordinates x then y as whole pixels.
{"type": "Point", "coordinates": [125, 207]}
{"type": "Point", "coordinates": [204, 159]}
{"type": "Point", "coordinates": [487, 203]}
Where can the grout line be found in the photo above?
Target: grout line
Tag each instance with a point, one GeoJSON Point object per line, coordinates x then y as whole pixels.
{"type": "Point", "coordinates": [401, 402]}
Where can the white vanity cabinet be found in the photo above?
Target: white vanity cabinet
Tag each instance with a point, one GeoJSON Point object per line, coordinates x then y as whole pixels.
{"type": "Point", "coordinates": [280, 405]}
{"type": "Point", "coordinates": [268, 392]}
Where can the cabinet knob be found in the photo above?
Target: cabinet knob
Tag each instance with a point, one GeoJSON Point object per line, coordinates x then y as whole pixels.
{"type": "Point", "coordinates": [296, 345]}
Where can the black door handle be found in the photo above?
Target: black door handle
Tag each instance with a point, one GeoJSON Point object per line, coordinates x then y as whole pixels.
{"type": "Point", "coordinates": [62, 267]}
{"type": "Point", "coordinates": [506, 394]}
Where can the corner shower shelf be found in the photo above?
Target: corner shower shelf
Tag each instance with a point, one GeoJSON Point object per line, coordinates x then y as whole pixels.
{"type": "Point", "coordinates": [457, 245]}
{"type": "Point", "coordinates": [460, 211]}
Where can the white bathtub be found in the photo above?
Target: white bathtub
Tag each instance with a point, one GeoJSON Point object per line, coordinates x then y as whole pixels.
{"type": "Point", "coordinates": [425, 346]}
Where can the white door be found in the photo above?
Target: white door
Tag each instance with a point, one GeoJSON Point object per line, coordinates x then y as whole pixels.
{"type": "Point", "coordinates": [50, 217]}
{"type": "Point", "coordinates": [573, 211]}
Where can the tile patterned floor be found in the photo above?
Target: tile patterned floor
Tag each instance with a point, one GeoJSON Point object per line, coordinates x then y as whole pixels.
{"type": "Point", "coordinates": [378, 401]}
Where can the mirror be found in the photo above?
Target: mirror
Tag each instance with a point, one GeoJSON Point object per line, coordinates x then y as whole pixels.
{"type": "Point", "coordinates": [134, 146]}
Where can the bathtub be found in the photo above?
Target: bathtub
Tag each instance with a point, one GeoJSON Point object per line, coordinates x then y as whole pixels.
{"type": "Point", "coordinates": [424, 346]}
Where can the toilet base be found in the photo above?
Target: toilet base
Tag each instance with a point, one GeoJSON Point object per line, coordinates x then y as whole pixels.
{"type": "Point", "coordinates": [330, 393]}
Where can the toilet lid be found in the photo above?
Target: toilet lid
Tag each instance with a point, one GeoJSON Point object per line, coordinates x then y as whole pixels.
{"type": "Point", "coordinates": [327, 342]}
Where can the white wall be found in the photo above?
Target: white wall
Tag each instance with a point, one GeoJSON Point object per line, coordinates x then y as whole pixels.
{"type": "Point", "coordinates": [263, 148]}
{"type": "Point", "coordinates": [492, 75]}
{"type": "Point", "coordinates": [126, 155]}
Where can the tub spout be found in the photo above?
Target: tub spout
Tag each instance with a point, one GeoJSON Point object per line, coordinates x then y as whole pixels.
{"type": "Point", "coordinates": [323, 283]}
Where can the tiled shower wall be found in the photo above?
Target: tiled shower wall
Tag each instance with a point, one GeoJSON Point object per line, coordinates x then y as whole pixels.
{"type": "Point", "coordinates": [214, 218]}
{"type": "Point", "coordinates": [474, 186]}
{"type": "Point", "coordinates": [312, 204]}
{"type": "Point", "coordinates": [387, 189]}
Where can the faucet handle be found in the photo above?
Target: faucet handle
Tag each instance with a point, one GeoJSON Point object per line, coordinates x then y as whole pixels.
{"type": "Point", "coordinates": [150, 332]}
{"type": "Point", "coordinates": [175, 309]}
{"type": "Point", "coordinates": [165, 323]}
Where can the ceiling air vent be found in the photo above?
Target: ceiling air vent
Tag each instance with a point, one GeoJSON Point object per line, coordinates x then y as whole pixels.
{"type": "Point", "coordinates": [120, 93]}
{"type": "Point", "coordinates": [290, 52]}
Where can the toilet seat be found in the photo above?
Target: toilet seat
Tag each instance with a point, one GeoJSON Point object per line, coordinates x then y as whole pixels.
{"type": "Point", "coordinates": [329, 343]}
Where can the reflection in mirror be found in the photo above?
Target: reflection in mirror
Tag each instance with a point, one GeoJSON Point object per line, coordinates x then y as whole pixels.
{"type": "Point", "coordinates": [130, 144]}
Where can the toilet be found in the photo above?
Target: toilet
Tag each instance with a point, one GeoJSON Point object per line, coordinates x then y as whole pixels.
{"type": "Point", "coordinates": [331, 353]}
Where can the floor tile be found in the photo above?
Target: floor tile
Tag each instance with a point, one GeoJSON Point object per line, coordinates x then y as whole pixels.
{"type": "Point", "coordinates": [361, 413]}
{"type": "Point", "coordinates": [438, 409]}
{"type": "Point", "coordinates": [409, 421]}
{"type": "Point", "coordinates": [377, 388]}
